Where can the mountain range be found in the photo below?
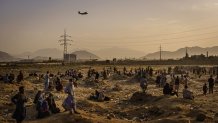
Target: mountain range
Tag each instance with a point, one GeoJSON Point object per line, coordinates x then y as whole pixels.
{"type": "Point", "coordinates": [117, 52]}
{"type": "Point", "coordinates": [109, 53]}
{"type": "Point", "coordinates": [48, 52]}
{"type": "Point", "coordinates": [4, 57]}
{"type": "Point", "coordinates": [55, 54]}
{"type": "Point", "coordinates": [182, 52]}
{"type": "Point", "coordinates": [83, 55]}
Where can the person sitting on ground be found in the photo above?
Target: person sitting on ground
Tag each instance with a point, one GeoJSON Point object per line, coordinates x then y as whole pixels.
{"type": "Point", "coordinates": [205, 88]}
{"type": "Point", "coordinates": [99, 96]}
{"type": "Point", "coordinates": [187, 94]}
{"type": "Point", "coordinates": [20, 77]}
{"type": "Point", "coordinates": [58, 85]}
{"type": "Point", "coordinates": [94, 96]}
{"type": "Point", "coordinates": [42, 107]}
{"type": "Point", "coordinates": [38, 95]}
{"type": "Point", "coordinates": [168, 90]}
{"type": "Point", "coordinates": [11, 78]}
{"type": "Point", "coordinates": [6, 79]}
{"type": "Point", "coordinates": [52, 105]}
{"type": "Point", "coordinates": [143, 84]}
{"type": "Point", "coordinates": [80, 75]}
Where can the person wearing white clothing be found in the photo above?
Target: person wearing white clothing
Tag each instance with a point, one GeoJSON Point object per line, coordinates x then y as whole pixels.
{"type": "Point", "coordinates": [70, 101]}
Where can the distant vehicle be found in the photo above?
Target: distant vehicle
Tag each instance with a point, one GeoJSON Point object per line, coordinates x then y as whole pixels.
{"type": "Point", "coordinates": [82, 13]}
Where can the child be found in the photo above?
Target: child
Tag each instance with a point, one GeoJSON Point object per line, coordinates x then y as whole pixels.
{"type": "Point", "coordinates": [205, 88]}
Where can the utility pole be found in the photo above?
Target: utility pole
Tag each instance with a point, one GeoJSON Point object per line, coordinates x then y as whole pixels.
{"type": "Point", "coordinates": [160, 53]}
{"type": "Point", "coordinates": [186, 53]}
{"type": "Point", "coordinates": [64, 41]}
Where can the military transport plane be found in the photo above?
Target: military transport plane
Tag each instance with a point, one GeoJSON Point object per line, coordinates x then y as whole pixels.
{"type": "Point", "coordinates": [82, 13]}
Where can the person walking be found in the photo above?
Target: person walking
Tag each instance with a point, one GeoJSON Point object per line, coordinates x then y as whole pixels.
{"type": "Point", "coordinates": [70, 101]}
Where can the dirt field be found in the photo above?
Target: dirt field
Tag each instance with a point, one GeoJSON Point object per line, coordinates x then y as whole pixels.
{"type": "Point", "coordinates": [152, 107]}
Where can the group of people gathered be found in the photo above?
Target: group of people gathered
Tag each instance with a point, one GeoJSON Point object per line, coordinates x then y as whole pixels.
{"type": "Point", "coordinates": [45, 102]}
{"type": "Point", "coordinates": [10, 78]}
{"type": "Point", "coordinates": [172, 87]}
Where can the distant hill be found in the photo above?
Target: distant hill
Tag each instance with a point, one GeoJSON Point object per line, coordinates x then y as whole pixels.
{"type": "Point", "coordinates": [23, 55]}
{"type": "Point", "coordinates": [181, 53]}
{"type": "Point", "coordinates": [40, 58]}
{"type": "Point", "coordinates": [116, 52]}
{"type": "Point", "coordinates": [48, 52]}
{"type": "Point", "coordinates": [83, 54]}
{"type": "Point", "coordinates": [5, 57]}
{"type": "Point", "coordinates": [44, 54]}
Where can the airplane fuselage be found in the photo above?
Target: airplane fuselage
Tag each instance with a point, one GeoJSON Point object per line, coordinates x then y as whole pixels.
{"type": "Point", "coordinates": [82, 13]}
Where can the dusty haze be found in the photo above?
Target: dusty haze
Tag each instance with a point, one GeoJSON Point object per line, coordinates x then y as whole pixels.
{"type": "Point", "coordinates": [29, 25]}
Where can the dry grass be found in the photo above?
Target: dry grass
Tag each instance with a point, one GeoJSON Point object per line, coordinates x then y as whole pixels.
{"type": "Point", "coordinates": [157, 108]}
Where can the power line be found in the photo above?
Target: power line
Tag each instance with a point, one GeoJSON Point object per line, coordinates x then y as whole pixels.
{"type": "Point", "coordinates": [137, 37]}
{"type": "Point", "coordinates": [154, 43]}
{"type": "Point", "coordinates": [184, 36]}
{"type": "Point", "coordinates": [185, 31]}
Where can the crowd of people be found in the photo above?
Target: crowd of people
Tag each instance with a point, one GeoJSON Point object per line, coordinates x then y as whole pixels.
{"type": "Point", "coordinates": [45, 102]}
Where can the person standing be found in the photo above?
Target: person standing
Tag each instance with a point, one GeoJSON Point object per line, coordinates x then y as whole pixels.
{"type": "Point", "coordinates": [47, 80]}
{"type": "Point", "coordinates": [19, 100]}
{"type": "Point", "coordinates": [211, 84]}
{"type": "Point", "coordinates": [177, 82]}
{"type": "Point", "coordinates": [20, 77]}
{"type": "Point", "coordinates": [70, 101]}
{"type": "Point", "coordinates": [185, 81]}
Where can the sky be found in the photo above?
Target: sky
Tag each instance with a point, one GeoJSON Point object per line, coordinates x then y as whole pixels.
{"type": "Point", "coordinates": [143, 25]}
